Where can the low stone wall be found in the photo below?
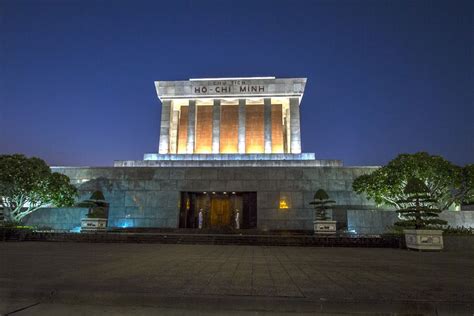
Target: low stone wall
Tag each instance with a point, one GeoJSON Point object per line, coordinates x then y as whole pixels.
{"type": "Point", "coordinates": [377, 221]}
{"type": "Point", "coordinates": [62, 218]}
{"type": "Point", "coordinates": [370, 221]}
{"type": "Point", "coordinates": [359, 221]}
{"type": "Point", "coordinates": [458, 218]}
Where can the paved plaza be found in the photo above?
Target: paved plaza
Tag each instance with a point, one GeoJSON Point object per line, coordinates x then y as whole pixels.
{"type": "Point", "coordinates": [81, 278]}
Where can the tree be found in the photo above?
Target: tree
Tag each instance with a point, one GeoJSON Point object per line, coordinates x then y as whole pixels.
{"type": "Point", "coordinates": [418, 208]}
{"type": "Point", "coordinates": [97, 205]}
{"type": "Point", "coordinates": [27, 184]}
{"type": "Point", "coordinates": [442, 178]}
{"type": "Point", "coordinates": [322, 203]}
{"type": "Point", "coordinates": [465, 191]}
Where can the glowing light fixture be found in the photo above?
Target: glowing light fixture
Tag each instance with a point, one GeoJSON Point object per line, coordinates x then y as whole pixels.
{"type": "Point", "coordinates": [283, 204]}
{"type": "Point", "coordinates": [125, 223]}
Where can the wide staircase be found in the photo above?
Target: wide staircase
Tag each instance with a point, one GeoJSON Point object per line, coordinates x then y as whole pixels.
{"type": "Point", "coordinates": [212, 237]}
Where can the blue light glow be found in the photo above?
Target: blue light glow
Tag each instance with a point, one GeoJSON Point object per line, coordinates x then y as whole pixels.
{"type": "Point", "coordinates": [76, 229]}
{"type": "Point", "coordinates": [125, 223]}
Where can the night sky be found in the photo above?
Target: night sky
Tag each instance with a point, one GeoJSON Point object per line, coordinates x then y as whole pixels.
{"type": "Point", "coordinates": [384, 77]}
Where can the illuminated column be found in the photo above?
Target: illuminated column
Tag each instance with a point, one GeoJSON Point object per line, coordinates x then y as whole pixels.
{"type": "Point", "coordinates": [267, 118]}
{"type": "Point", "coordinates": [216, 125]}
{"type": "Point", "coordinates": [295, 135]}
{"type": "Point", "coordinates": [165, 127]}
{"type": "Point", "coordinates": [242, 103]}
{"type": "Point", "coordinates": [191, 127]}
{"type": "Point", "coordinates": [174, 132]}
{"type": "Point", "coordinates": [288, 131]}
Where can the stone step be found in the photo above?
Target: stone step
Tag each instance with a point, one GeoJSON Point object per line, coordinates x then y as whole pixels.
{"type": "Point", "coordinates": [215, 239]}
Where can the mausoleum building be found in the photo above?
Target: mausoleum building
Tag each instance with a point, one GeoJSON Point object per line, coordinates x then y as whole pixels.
{"type": "Point", "coordinates": [227, 146]}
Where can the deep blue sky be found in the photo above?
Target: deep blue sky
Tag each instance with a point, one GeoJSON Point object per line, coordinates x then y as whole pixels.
{"type": "Point", "coordinates": [384, 77]}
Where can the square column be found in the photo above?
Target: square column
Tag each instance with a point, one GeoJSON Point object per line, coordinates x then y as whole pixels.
{"type": "Point", "coordinates": [295, 134]}
{"type": "Point", "coordinates": [267, 118]}
{"type": "Point", "coordinates": [174, 132]}
{"type": "Point", "coordinates": [165, 127]}
{"type": "Point", "coordinates": [242, 104]}
{"type": "Point", "coordinates": [216, 125]}
{"type": "Point", "coordinates": [191, 127]}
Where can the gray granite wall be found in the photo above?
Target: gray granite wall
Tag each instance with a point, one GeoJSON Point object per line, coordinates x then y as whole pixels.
{"type": "Point", "coordinates": [370, 221]}
{"type": "Point", "coordinates": [149, 197]}
{"type": "Point", "coordinates": [377, 221]}
{"type": "Point", "coordinates": [458, 218]}
{"type": "Point", "coordinates": [62, 218]}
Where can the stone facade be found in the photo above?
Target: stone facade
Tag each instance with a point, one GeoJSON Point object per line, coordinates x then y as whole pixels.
{"type": "Point", "coordinates": [150, 196]}
{"type": "Point", "coordinates": [61, 218]}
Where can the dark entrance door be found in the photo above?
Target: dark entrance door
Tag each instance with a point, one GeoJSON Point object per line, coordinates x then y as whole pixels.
{"type": "Point", "coordinates": [221, 213]}
{"type": "Point", "coordinates": [218, 209]}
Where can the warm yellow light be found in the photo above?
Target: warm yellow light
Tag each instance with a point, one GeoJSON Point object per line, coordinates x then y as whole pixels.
{"type": "Point", "coordinates": [277, 149]}
{"type": "Point", "coordinates": [255, 149]}
{"type": "Point", "coordinates": [229, 149]}
{"type": "Point", "coordinates": [283, 204]}
{"type": "Point", "coordinates": [201, 149]}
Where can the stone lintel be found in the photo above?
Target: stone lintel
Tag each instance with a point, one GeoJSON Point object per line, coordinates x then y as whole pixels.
{"type": "Point", "coordinates": [231, 88]}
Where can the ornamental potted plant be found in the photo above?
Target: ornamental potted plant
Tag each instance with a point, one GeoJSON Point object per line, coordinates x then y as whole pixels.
{"type": "Point", "coordinates": [323, 223]}
{"type": "Point", "coordinates": [418, 214]}
{"type": "Point", "coordinates": [96, 219]}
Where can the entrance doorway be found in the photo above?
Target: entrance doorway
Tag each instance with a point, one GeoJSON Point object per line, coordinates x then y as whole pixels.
{"type": "Point", "coordinates": [219, 210]}
{"type": "Point", "coordinates": [221, 213]}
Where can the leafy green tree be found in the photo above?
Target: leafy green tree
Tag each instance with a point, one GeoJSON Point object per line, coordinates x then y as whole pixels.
{"type": "Point", "coordinates": [465, 191]}
{"type": "Point", "coordinates": [443, 180]}
{"type": "Point", "coordinates": [322, 204]}
{"type": "Point", "coordinates": [418, 209]}
{"type": "Point", "coordinates": [27, 184]}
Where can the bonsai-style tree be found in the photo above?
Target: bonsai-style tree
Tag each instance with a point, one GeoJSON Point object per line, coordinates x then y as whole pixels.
{"type": "Point", "coordinates": [321, 204]}
{"type": "Point", "coordinates": [97, 205]}
{"type": "Point", "coordinates": [465, 189]}
{"type": "Point", "coordinates": [446, 183]}
{"type": "Point", "coordinates": [418, 208]}
{"type": "Point", "coordinates": [27, 184]}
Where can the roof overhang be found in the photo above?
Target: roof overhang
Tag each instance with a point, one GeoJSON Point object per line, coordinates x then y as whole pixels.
{"type": "Point", "coordinates": [248, 87]}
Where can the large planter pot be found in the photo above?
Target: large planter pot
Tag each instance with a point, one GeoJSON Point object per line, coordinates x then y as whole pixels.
{"type": "Point", "coordinates": [93, 224]}
{"type": "Point", "coordinates": [324, 227]}
{"type": "Point", "coordinates": [424, 239]}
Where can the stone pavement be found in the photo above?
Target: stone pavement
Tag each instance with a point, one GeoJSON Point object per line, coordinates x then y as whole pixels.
{"type": "Point", "coordinates": [176, 279]}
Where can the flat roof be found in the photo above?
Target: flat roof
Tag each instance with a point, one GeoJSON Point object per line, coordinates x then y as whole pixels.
{"type": "Point", "coordinates": [231, 87]}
